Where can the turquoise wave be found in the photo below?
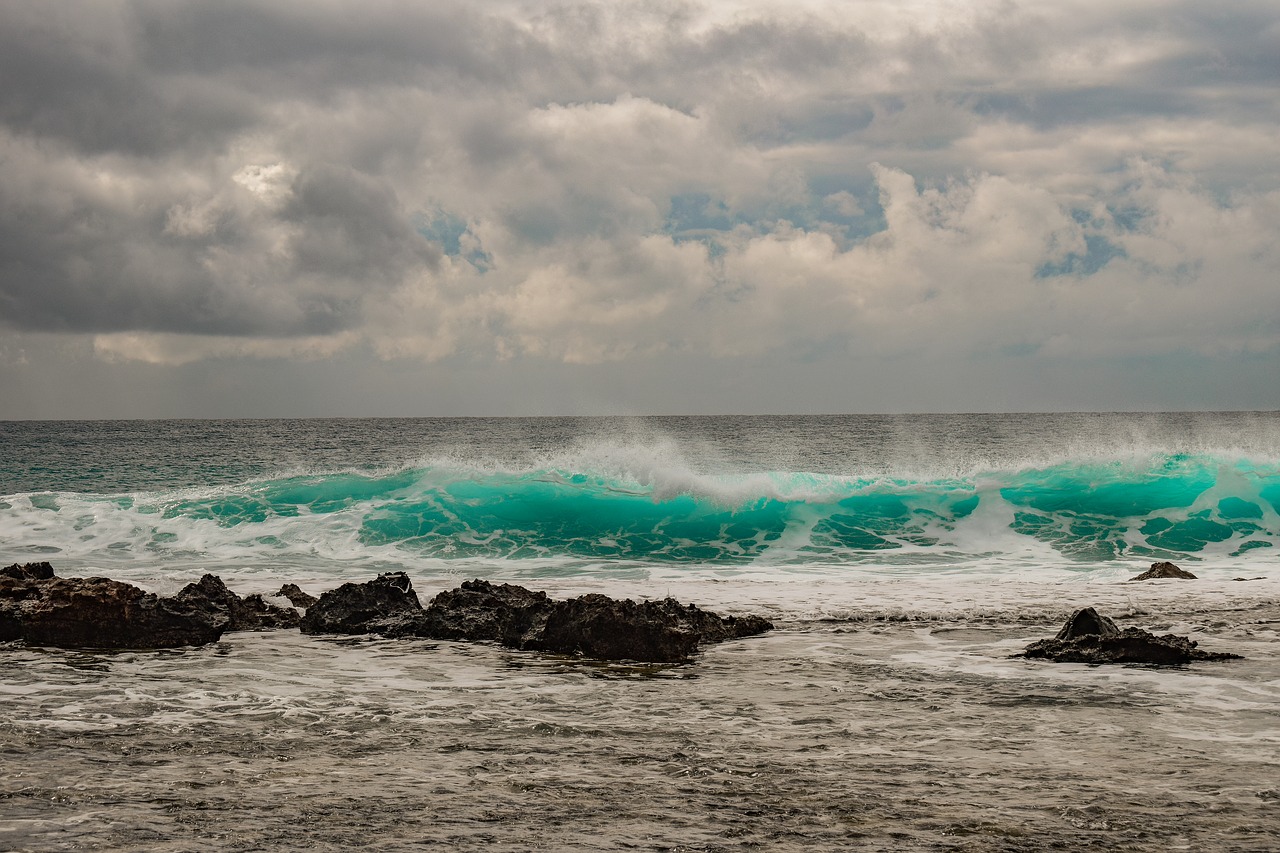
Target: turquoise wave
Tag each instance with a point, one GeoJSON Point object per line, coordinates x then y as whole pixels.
{"type": "Point", "coordinates": [1164, 506]}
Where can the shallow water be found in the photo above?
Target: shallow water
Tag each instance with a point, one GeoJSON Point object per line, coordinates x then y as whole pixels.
{"type": "Point", "coordinates": [889, 732]}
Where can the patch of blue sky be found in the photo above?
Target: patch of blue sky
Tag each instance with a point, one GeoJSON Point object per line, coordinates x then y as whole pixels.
{"type": "Point", "coordinates": [448, 230]}
{"type": "Point", "coordinates": [1099, 251]}
{"type": "Point", "coordinates": [1128, 218]}
{"type": "Point", "coordinates": [847, 209]}
{"type": "Point", "coordinates": [698, 212]}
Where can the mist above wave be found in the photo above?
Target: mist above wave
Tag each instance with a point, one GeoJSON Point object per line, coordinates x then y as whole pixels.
{"type": "Point", "coordinates": [605, 502]}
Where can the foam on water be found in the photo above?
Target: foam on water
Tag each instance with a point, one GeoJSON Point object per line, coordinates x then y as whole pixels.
{"type": "Point", "coordinates": [624, 508]}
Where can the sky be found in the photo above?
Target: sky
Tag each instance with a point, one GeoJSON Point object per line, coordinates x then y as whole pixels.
{"type": "Point", "coordinates": [235, 208]}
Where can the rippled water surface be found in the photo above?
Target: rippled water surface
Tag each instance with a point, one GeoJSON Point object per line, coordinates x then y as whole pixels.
{"type": "Point", "coordinates": [885, 733]}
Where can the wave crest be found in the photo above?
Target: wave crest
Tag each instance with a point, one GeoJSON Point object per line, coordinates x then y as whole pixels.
{"type": "Point", "coordinates": [647, 505]}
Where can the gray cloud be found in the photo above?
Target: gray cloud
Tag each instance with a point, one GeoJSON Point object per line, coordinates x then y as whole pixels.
{"type": "Point", "coordinates": [591, 183]}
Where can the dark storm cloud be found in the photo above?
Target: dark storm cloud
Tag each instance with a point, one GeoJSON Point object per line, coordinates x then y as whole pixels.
{"type": "Point", "coordinates": [81, 261]}
{"type": "Point", "coordinates": [73, 72]}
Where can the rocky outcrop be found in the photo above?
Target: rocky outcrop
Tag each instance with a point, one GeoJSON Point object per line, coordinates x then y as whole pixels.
{"type": "Point", "coordinates": [42, 609]}
{"type": "Point", "coordinates": [28, 571]}
{"type": "Point", "coordinates": [1086, 622]}
{"type": "Point", "coordinates": [252, 613]}
{"type": "Point", "coordinates": [601, 627]}
{"type": "Point", "coordinates": [1089, 637]}
{"type": "Point", "coordinates": [1163, 569]}
{"type": "Point", "coordinates": [478, 611]}
{"type": "Point", "coordinates": [296, 596]}
{"type": "Point", "coordinates": [662, 631]}
{"type": "Point", "coordinates": [363, 608]}
{"type": "Point", "coordinates": [100, 613]}
{"type": "Point", "coordinates": [45, 610]}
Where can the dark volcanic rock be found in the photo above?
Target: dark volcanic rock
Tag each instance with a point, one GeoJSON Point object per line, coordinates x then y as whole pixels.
{"type": "Point", "coordinates": [481, 611]}
{"type": "Point", "coordinates": [601, 627]}
{"type": "Point", "coordinates": [364, 608]}
{"type": "Point", "coordinates": [99, 613]}
{"type": "Point", "coordinates": [1091, 638]}
{"type": "Point", "coordinates": [1085, 622]}
{"type": "Point", "coordinates": [1163, 570]}
{"type": "Point", "coordinates": [594, 625]}
{"type": "Point", "coordinates": [478, 611]}
{"type": "Point", "coordinates": [657, 631]}
{"type": "Point", "coordinates": [296, 596]}
{"type": "Point", "coordinates": [28, 572]}
{"type": "Point", "coordinates": [251, 613]}
{"type": "Point", "coordinates": [258, 614]}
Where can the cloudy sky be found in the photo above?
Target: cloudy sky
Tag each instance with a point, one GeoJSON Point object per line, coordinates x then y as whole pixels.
{"type": "Point", "coordinates": [240, 208]}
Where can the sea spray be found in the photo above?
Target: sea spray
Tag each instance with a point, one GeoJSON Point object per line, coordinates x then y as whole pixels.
{"type": "Point", "coordinates": [633, 506]}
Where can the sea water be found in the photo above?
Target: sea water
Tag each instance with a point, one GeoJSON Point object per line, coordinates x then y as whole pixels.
{"type": "Point", "coordinates": [904, 560]}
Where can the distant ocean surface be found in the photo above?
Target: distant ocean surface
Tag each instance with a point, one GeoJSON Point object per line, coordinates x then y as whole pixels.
{"type": "Point", "coordinates": [904, 560]}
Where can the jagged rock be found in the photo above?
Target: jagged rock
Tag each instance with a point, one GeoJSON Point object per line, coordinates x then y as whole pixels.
{"type": "Point", "coordinates": [480, 611]}
{"type": "Point", "coordinates": [28, 571]}
{"type": "Point", "coordinates": [100, 613]}
{"type": "Point", "coordinates": [363, 608]}
{"type": "Point", "coordinates": [1089, 637]}
{"type": "Point", "coordinates": [251, 613]}
{"type": "Point", "coordinates": [601, 627]}
{"type": "Point", "coordinates": [1163, 569]}
{"type": "Point", "coordinates": [657, 631]}
{"type": "Point", "coordinates": [711, 627]}
{"type": "Point", "coordinates": [1085, 622]}
{"type": "Point", "coordinates": [260, 614]}
{"type": "Point", "coordinates": [296, 596]}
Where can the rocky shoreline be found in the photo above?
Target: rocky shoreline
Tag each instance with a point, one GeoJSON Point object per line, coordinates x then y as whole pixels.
{"type": "Point", "coordinates": [41, 609]}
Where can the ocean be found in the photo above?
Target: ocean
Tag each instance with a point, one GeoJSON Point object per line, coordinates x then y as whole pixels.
{"type": "Point", "coordinates": [904, 560]}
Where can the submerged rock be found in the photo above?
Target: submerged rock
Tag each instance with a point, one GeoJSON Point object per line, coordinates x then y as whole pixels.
{"type": "Point", "coordinates": [1163, 569]}
{"type": "Point", "coordinates": [252, 613]}
{"type": "Point", "coordinates": [1089, 637]}
{"type": "Point", "coordinates": [363, 608]}
{"type": "Point", "coordinates": [100, 613]}
{"type": "Point", "coordinates": [296, 596]}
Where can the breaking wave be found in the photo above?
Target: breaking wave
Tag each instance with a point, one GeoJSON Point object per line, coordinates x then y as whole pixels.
{"type": "Point", "coordinates": [648, 509]}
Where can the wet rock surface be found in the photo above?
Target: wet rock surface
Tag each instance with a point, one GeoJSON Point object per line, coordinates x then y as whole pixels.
{"type": "Point", "coordinates": [1085, 622]}
{"type": "Point", "coordinates": [28, 571]}
{"type": "Point", "coordinates": [663, 631]}
{"type": "Point", "coordinates": [1161, 570]}
{"type": "Point", "coordinates": [100, 613]}
{"type": "Point", "coordinates": [42, 609]}
{"type": "Point", "coordinates": [1089, 637]}
{"type": "Point", "coordinates": [45, 610]}
{"type": "Point", "coordinates": [601, 627]}
{"type": "Point", "coordinates": [251, 613]}
{"type": "Point", "coordinates": [478, 611]}
{"type": "Point", "coordinates": [363, 608]}
{"type": "Point", "coordinates": [296, 596]}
